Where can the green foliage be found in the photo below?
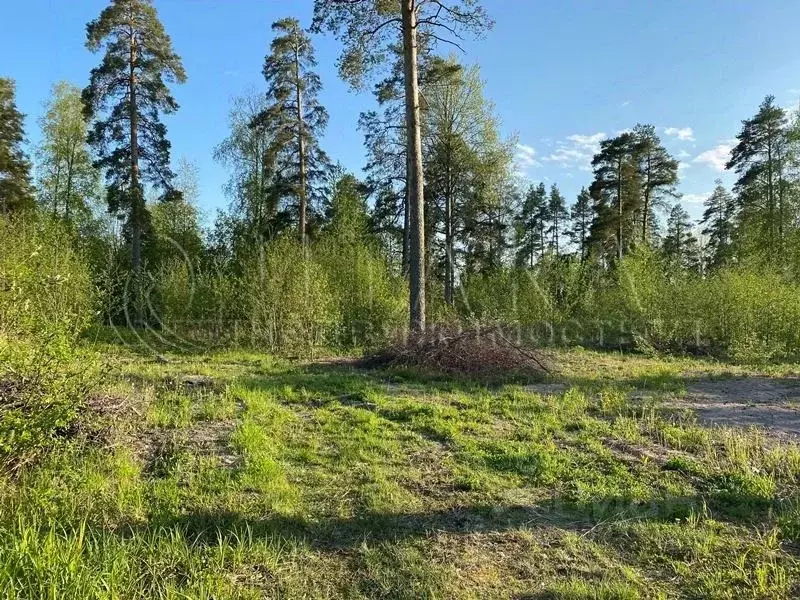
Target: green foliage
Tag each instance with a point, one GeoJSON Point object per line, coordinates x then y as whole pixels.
{"type": "Point", "coordinates": [369, 300]}
{"type": "Point", "coordinates": [45, 303]}
{"type": "Point", "coordinates": [125, 98]}
{"type": "Point", "coordinates": [294, 120]}
{"type": "Point", "coordinates": [67, 179]}
{"type": "Point", "coordinates": [290, 307]}
{"type": "Point", "coordinates": [16, 192]}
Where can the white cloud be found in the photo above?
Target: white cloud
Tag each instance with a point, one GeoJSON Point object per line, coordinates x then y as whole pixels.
{"type": "Point", "coordinates": [576, 151]}
{"type": "Point", "coordinates": [717, 157]}
{"type": "Point", "coordinates": [591, 142]}
{"type": "Point", "coordinates": [683, 165]}
{"type": "Point", "coordinates": [682, 133]}
{"type": "Point", "coordinates": [684, 154]}
{"type": "Point", "coordinates": [695, 198]}
{"type": "Point", "coordinates": [525, 158]}
{"type": "Point", "coordinates": [626, 103]}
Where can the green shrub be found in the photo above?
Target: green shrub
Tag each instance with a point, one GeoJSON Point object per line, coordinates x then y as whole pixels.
{"type": "Point", "coordinates": [370, 303]}
{"type": "Point", "coordinates": [45, 303]}
{"type": "Point", "coordinates": [288, 299]}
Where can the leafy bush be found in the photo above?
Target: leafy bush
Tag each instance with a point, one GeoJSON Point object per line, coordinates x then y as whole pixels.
{"type": "Point", "coordinates": [289, 299]}
{"type": "Point", "coordinates": [45, 303]}
{"type": "Point", "coordinates": [370, 303]}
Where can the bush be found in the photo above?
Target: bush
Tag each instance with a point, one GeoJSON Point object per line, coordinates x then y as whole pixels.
{"type": "Point", "coordinates": [45, 303]}
{"type": "Point", "coordinates": [370, 303]}
{"type": "Point", "coordinates": [289, 300]}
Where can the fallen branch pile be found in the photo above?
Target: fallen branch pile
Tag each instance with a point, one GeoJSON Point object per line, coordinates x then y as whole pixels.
{"type": "Point", "coordinates": [475, 352]}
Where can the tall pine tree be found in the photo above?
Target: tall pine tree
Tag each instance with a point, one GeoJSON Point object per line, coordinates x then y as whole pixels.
{"type": "Point", "coordinates": [759, 159]}
{"type": "Point", "coordinates": [557, 216]}
{"type": "Point", "coordinates": [126, 96]}
{"type": "Point", "coordinates": [294, 117]}
{"type": "Point", "coordinates": [616, 194]}
{"type": "Point", "coordinates": [718, 225]}
{"type": "Point", "coordinates": [369, 29]}
{"type": "Point", "coordinates": [658, 176]}
{"type": "Point", "coordinates": [680, 246]}
{"type": "Point", "coordinates": [531, 225]}
{"type": "Point", "coordinates": [16, 192]}
{"type": "Point", "coordinates": [581, 215]}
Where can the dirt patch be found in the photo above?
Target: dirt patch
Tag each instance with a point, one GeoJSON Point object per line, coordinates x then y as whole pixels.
{"type": "Point", "coordinates": [772, 403]}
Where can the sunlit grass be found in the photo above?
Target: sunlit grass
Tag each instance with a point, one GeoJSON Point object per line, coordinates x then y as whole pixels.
{"type": "Point", "coordinates": [297, 481]}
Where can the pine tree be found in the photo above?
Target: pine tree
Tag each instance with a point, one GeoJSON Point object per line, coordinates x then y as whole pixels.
{"type": "Point", "coordinates": [616, 191]}
{"type": "Point", "coordinates": [680, 246]}
{"type": "Point", "coordinates": [658, 176]}
{"type": "Point", "coordinates": [126, 95]}
{"type": "Point", "coordinates": [464, 151]}
{"type": "Point", "coordinates": [531, 225]}
{"type": "Point", "coordinates": [581, 216]}
{"type": "Point", "coordinates": [15, 181]}
{"type": "Point", "coordinates": [718, 220]}
{"type": "Point", "coordinates": [387, 157]}
{"type": "Point", "coordinates": [759, 159]}
{"type": "Point", "coordinates": [369, 28]}
{"type": "Point", "coordinates": [67, 178]}
{"type": "Point", "coordinates": [557, 216]}
{"type": "Point", "coordinates": [294, 118]}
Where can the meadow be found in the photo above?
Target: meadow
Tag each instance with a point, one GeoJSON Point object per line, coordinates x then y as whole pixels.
{"type": "Point", "coordinates": [235, 474]}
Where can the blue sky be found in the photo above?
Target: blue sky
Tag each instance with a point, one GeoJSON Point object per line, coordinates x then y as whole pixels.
{"type": "Point", "coordinates": [562, 74]}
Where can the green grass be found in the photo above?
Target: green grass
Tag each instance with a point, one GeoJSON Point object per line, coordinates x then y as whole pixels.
{"type": "Point", "coordinates": [291, 480]}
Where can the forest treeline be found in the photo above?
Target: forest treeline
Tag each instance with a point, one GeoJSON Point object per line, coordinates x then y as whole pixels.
{"type": "Point", "coordinates": [438, 228]}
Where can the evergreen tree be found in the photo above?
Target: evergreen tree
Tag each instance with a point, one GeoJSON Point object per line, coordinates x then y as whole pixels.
{"type": "Point", "coordinates": [718, 222]}
{"type": "Point", "coordinates": [581, 216]}
{"type": "Point", "coordinates": [658, 176]}
{"type": "Point", "coordinates": [15, 181]}
{"type": "Point", "coordinates": [346, 218]}
{"type": "Point", "coordinates": [369, 28]}
{"type": "Point", "coordinates": [531, 224]}
{"type": "Point", "coordinates": [557, 216]}
{"type": "Point", "coordinates": [294, 118]}
{"type": "Point", "coordinates": [616, 192]}
{"type": "Point", "coordinates": [67, 178]}
{"type": "Point", "coordinates": [126, 95]}
{"type": "Point", "coordinates": [680, 246]}
{"type": "Point", "coordinates": [387, 157]}
{"type": "Point", "coordinates": [464, 151]}
{"type": "Point", "coordinates": [759, 159]}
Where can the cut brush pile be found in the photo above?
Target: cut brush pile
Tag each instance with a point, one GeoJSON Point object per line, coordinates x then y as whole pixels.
{"type": "Point", "coordinates": [478, 353]}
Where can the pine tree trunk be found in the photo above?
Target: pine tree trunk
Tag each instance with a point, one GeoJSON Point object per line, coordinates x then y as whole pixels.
{"type": "Point", "coordinates": [646, 211]}
{"type": "Point", "coordinates": [415, 180]}
{"type": "Point", "coordinates": [301, 145]}
{"type": "Point", "coordinates": [448, 242]}
{"type": "Point", "coordinates": [770, 199]}
{"type": "Point", "coordinates": [619, 211]}
{"type": "Point", "coordinates": [407, 223]}
{"type": "Point", "coordinates": [137, 210]}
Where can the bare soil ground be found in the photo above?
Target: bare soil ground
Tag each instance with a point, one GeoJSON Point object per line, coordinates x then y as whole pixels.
{"type": "Point", "coordinates": [773, 403]}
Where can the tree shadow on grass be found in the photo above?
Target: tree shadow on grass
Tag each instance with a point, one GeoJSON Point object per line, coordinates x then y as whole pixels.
{"type": "Point", "coordinates": [341, 533]}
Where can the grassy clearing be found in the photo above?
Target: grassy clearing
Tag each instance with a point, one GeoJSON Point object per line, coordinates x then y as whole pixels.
{"type": "Point", "coordinates": [274, 479]}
